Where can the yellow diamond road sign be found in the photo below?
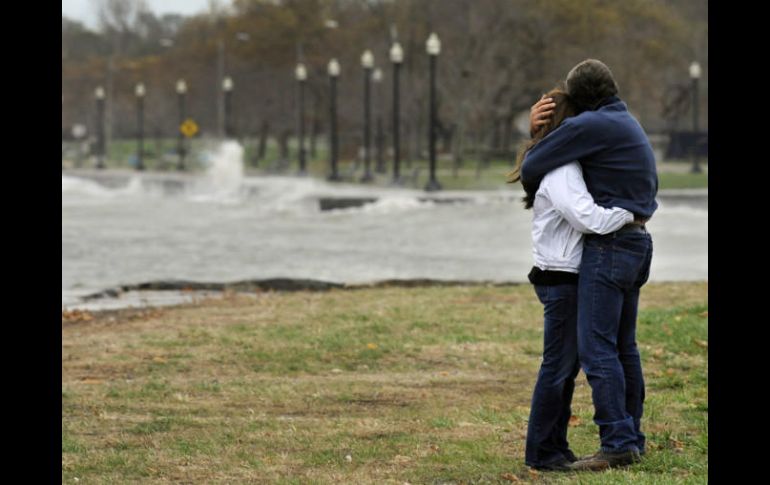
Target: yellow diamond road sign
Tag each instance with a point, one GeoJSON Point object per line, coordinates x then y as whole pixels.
{"type": "Point", "coordinates": [189, 128]}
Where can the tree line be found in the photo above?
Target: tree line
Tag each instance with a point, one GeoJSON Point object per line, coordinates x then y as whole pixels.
{"type": "Point", "coordinates": [497, 57]}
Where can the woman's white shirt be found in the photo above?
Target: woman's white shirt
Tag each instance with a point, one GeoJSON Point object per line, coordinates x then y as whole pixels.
{"type": "Point", "coordinates": [562, 211]}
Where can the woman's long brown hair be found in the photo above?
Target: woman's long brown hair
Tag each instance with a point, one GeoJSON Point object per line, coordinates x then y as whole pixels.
{"type": "Point", "coordinates": [563, 109]}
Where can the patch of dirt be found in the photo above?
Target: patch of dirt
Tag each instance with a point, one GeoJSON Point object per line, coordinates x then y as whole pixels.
{"type": "Point", "coordinates": [372, 402]}
{"type": "Point", "coordinates": [72, 318]}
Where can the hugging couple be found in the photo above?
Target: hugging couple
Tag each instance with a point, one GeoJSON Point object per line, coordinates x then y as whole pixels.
{"type": "Point", "coordinates": [589, 176]}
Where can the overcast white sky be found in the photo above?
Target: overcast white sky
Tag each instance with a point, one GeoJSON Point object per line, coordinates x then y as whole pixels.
{"type": "Point", "coordinates": [85, 10]}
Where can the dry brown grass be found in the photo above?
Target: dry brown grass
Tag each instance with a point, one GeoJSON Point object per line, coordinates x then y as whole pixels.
{"type": "Point", "coordinates": [393, 385]}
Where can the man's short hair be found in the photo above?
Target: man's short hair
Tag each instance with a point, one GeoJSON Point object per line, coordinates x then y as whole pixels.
{"type": "Point", "coordinates": [589, 82]}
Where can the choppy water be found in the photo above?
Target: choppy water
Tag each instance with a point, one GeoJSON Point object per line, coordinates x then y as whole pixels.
{"type": "Point", "coordinates": [226, 227]}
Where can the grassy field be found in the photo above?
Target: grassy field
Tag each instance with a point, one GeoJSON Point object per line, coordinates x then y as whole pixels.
{"type": "Point", "coordinates": [160, 155]}
{"type": "Point", "coordinates": [379, 385]}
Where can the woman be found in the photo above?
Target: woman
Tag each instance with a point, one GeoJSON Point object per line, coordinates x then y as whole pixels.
{"type": "Point", "coordinates": [562, 211]}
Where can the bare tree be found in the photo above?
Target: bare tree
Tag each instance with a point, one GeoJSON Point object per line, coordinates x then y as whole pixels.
{"type": "Point", "coordinates": [497, 57]}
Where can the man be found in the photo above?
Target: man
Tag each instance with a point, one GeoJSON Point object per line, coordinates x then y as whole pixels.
{"type": "Point", "coordinates": [619, 170]}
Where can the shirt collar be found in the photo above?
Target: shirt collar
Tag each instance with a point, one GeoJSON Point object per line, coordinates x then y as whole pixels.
{"type": "Point", "coordinates": [608, 100]}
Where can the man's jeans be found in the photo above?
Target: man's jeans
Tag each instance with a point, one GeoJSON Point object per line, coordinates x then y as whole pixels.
{"type": "Point", "coordinates": [613, 268]}
{"type": "Point", "coordinates": [550, 411]}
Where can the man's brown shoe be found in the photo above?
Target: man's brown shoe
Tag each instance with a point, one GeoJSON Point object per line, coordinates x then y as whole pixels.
{"type": "Point", "coordinates": [603, 460]}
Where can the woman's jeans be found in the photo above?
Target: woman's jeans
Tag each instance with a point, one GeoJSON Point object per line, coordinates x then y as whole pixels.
{"type": "Point", "coordinates": [550, 412]}
{"type": "Point", "coordinates": [613, 268]}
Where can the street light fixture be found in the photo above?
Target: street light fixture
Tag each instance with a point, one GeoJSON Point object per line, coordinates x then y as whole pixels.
{"type": "Point", "coordinates": [181, 91]}
{"type": "Point", "coordinates": [99, 95]}
{"type": "Point", "coordinates": [334, 68]}
{"type": "Point", "coordinates": [367, 62]}
{"type": "Point", "coordinates": [334, 72]}
{"type": "Point", "coordinates": [367, 59]}
{"type": "Point", "coordinates": [433, 47]}
{"type": "Point", "coordinates": [695, 73]}
{"type": "Point", "coordinates": [300, 72]}
{"type": "Point", "coordinates": [396, 57]}
{"type": "Point", "coordinates": [221, 61]}
{"type": "Point", "coordinates": [140, 92]}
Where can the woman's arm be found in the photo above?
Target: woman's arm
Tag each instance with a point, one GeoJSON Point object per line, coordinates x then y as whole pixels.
{"type": "Point", "coordinates": [570, 197]}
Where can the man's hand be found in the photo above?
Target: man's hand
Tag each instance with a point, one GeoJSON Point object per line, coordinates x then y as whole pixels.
{"type": "Point", "coordinates": [540, 113]}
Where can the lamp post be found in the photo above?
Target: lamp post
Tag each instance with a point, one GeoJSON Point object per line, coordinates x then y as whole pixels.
{"type": "Point", "coordinates": [221, 61]}
{"type": "Point", "coordinates": [181, 91]}
{"type": "Point", "coordinates": [139, 91]}
{"type": "Point", "coordinates": [695, 75]}
{"type": "Point", "coordinates": [227, 89]}
{"type": "Point", "coordinates": [301, 74]}
{"type": "Point", "coordinates": [378, 137]}
{"type": "Point", "coordinates": [334, 72]}
{"type": "Point", "coordinates": [99, 95]}
{"type": "Point", "coordinates": [220, 79]}
{"type": "Point", "coordinates": [367, 62]}
{"type": "Point", "coordinates": [396, 57]}
{"type": "Point", "coordinates": [433, 46]}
